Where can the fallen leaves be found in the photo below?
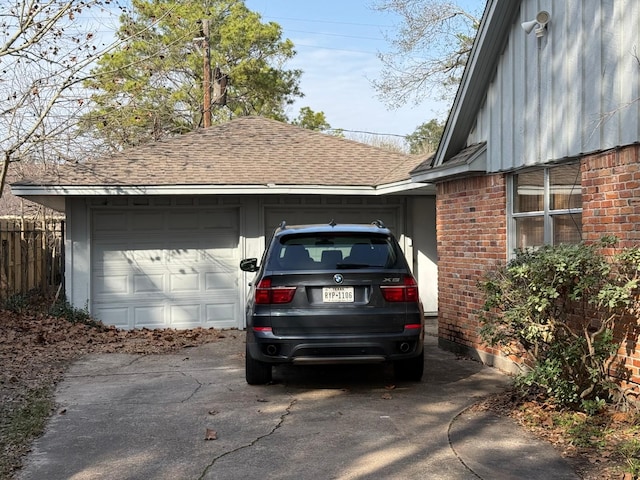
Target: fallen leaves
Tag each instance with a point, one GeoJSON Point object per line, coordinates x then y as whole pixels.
{"type": "Point", "coordinates": [35, 349]}
{"type": "Point", "coordinates": [37, 346]}
{"type": "Point", "coordinates": [211, 434]}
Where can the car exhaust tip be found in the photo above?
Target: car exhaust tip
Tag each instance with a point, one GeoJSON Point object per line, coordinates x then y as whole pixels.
{"type": "Point", "coordinates": [405, 347]}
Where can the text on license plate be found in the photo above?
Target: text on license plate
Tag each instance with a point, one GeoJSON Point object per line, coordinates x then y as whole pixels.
{"type": "Point", "coordinates": [337, 294]}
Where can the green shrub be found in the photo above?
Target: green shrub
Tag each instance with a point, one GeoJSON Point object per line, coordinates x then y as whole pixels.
{"type": "Point", "coordinates": [17, 303]}
{"type": "Point", "coordinates": [558, 308]}
{"type": "Point", "coordinates": [630, 451]}
{"type": "Point", "coordinates": [64, 309]}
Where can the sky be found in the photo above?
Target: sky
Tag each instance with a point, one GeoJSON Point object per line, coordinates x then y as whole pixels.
{"type": "Point", "coordinates": [337, 42]}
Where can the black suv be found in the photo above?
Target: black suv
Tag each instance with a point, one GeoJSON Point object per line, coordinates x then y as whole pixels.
{"type": "Point", "coordinates": [328, 294]}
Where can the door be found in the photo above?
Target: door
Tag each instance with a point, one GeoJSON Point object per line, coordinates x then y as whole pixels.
{"type": "Point", "coordinates": [158, 268]}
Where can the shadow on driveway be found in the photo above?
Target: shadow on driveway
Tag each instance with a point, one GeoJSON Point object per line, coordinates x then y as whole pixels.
{"type": "Point", "coordinates": [146, 417]}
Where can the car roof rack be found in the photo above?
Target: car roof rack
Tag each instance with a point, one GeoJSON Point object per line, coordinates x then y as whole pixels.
{"type": "Point", "coordinates": [283, 224]}
{"type": "Point", "coordinates": [378, 223]}
{"type": "Point", "coordinates": [332, 223]}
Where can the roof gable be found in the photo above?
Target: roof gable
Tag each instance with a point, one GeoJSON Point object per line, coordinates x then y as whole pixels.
{"type": "Point", "coordinates": [543, 96]}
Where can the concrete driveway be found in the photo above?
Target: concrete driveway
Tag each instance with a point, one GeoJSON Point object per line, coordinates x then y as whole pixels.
{"type": "Point", "coordinates": [148, 417]}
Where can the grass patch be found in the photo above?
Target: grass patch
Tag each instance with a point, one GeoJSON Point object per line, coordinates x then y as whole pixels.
{"type": "Point", "coordinates": [21, 426]}
{"type": "Point", "coordinates": [630, 451]}
{"type": "Point", "coordinates": [604, 445]}
{"type": "Point", "coordinates": [583, 431]}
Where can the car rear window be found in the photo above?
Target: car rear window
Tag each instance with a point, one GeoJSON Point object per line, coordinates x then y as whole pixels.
{"type": "Point", "coordinates": [335, 251]}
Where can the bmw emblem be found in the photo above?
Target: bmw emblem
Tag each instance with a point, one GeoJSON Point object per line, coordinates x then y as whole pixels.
{"type": "Point", "coordinates": [338, 278]}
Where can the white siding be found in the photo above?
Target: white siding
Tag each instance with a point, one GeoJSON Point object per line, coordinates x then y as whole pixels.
{"type": "Point", "coordinates": [573, 91]}
{"type": "Point", "coordinates": [423, 223]}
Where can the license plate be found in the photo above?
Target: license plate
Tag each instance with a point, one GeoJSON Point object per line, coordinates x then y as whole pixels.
{"type": "Point", "coordinates": [337, 294]}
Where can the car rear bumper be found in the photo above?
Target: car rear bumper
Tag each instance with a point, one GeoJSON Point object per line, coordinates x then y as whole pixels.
{"type": "Point", "coordinates": [342, 349]}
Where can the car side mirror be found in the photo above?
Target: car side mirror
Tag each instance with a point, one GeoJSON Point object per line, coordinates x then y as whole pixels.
{"type": "Point", "coordinates": [249, 265]}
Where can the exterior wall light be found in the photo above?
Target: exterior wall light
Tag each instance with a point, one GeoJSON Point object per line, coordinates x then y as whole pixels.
{"type": "Point", "coordinates": [540, 24]}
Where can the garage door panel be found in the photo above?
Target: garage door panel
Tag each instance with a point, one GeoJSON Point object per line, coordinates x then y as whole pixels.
{"type": "Point", "coordinates": [183, 221]}
{"type": "Point", "coordinates": [182, 315]}
{"type": "Point", "coordinates": [184, 282]}
{"type": "Point", "coordinates": [183, 277]}
{"type": "Point", "coordinates": [176, 314]}
{"type": "Point", "coordinates": [109, 258]}
{"type": "Point", "coordinates": [183, 256]}
{"type": "Point", "coordinates": [216, 281]}
{"type": "Point", "coordinates": [149, 316]}
{"type": "Point", "coordinates": [223, 241]}
{"type": "Point", "coordinates": [221, 314]}
{"type": "Point", "coordinates": [148, 283]}
{"type": "Point", "coordinates": [109, 221]}
{"type": "Point", "coordinates": [147, 222]}
{"type": "Point", "coordinates": [111, 285]}
{"type": "Point", "coordinates": [218, 221]}
{"type": "Point", "coordinates": [116, 316]}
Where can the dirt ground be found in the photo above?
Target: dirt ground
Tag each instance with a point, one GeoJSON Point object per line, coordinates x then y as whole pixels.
{"type": "Point", "coordinates": [36, 348]}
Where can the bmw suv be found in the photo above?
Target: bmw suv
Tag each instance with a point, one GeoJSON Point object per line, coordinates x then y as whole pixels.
{"type": "Point", "coordinates": [327, 294]}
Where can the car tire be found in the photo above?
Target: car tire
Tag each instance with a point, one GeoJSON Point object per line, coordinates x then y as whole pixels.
{"type": "Point", "coordinates": [410, 369]}
{"type": "Point", "coordinates": [256, 372]}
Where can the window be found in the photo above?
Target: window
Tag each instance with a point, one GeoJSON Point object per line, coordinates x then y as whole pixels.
{"type": "Point", "coordinates": [333, 251]}
{"type": "Point", "coordinates": [546, 207]}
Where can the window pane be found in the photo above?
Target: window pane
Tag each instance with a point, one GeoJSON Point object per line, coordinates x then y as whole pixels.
{"type": "Point", "coordinates": [566, 191]}
{"type": "Point", "coordinates": [334, 251]}
{"type": "Point", "coordinates": [567, 228]}
{"type": "Point", "coordinates": [529, 232]}
{"type": "Point", "coordinates": [528, 192]}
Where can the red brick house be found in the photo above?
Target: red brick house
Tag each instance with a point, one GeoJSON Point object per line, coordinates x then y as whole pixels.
{"type": "Point", "coordinates": [541, 147]}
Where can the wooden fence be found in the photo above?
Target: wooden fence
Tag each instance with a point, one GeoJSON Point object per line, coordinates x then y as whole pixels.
{"type": "Point", "coordinates": [31, 256]}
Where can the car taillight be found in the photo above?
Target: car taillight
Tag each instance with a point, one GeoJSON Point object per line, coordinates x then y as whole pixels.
{"type": "Point", "coordinates": [266, 294]}
{"type": "Point", "coordinates": [411, 289]}
{"type": "Point", "coordinates": [407, 292]}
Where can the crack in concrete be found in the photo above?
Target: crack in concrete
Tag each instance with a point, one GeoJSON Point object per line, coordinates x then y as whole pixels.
{"type": "Point", "coordinates": [286, 413]}
{"type": "Point", "coordinates": [195, 390]}
{"type": "Point", "coordinates": [136, 359]}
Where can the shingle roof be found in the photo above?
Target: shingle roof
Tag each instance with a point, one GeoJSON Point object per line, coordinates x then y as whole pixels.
{"type": "Point", "coordinates": [12, 206]}
{"type": "Point", "coordinates": [461, 158]}
{"type": "Point", "coordinates": [245, 151]}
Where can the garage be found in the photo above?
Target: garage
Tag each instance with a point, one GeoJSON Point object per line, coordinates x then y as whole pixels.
{"type": "Point", "coordinates": [159, 268]}
{"type": "Point", "coordinates": [162, 250]}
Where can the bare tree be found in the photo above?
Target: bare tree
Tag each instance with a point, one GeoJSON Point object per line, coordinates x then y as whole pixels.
{"type": "Point", "coordinates": [393, 143]}
{"type": "Point", "coordinates": [45, 48]}
{"type": "Point", "coordinates": [428, 51]}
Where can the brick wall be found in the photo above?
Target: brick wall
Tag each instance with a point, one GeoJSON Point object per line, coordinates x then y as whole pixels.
{"type": "Point", "coordinates": [471, 230]}
{"type": "Point", "coordinates": [472, 236]}
{"type": "Point", "coordinates": [611, 195]}
{"type": "Point", "coordinates": [611, 206]}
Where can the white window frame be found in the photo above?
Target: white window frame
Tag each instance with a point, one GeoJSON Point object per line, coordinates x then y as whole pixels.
{"type": "Point", "coordinates": [547, 213]}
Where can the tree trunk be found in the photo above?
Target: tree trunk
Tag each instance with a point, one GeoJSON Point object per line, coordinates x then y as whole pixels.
{"type": "Point", "coordinates": [3, 172]}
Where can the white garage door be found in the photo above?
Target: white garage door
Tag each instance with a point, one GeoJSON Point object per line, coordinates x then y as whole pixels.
{"type": "Point", "coordinates": [341, 214]}
{"type": "Point", "coordinates": [166, 268]}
